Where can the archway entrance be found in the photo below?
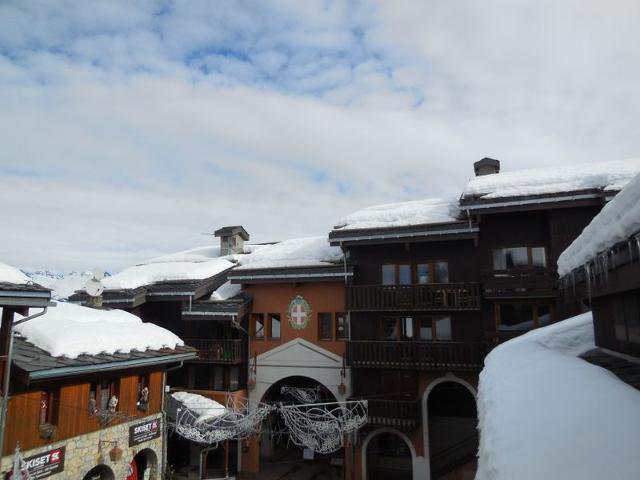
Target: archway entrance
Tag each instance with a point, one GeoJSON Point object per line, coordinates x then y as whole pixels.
{"type": "Point", "coordinates": [99, 472]}
{"type": "Point", "coordinates": [453, 437]}
{"type": "Point", "coordinates": [144, 466]}
{"type": "Point", "coordinates": [389, 457]}
{"type": "Point", "coordinates": [276, 445]}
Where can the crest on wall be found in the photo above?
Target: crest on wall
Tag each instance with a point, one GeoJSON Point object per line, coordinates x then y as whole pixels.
{"type": "Point", "coordinates": [299, 313]}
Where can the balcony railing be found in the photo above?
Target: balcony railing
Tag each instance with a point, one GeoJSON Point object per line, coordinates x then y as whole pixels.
{"type": "Point", "coordinates": [217, 351]}
{"type": "Point", "coordinates": [426, 297]}
{"type": "Point", "coordinates": [520, 283]}
{"type": "Point", "coordinates": [416, 355]}
{"type": "Point", "coordinates": [401, 414]}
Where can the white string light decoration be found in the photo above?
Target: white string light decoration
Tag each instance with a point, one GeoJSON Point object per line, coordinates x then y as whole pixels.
{"type": "Point", "coordinates": [304, 395]}
{"type": "Point", "coordinates": [321, 427]}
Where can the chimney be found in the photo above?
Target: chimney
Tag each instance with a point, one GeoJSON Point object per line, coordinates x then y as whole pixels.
{"type": "Point", "coordinates": [486, 166]}
{"type": "Point", "coordinates": [231, 239]}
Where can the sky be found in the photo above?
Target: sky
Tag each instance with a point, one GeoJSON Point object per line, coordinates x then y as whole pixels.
{"type": "Point", "coordinates": [134, 129]}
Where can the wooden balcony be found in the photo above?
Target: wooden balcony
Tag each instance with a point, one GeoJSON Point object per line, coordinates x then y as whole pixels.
{"type": "Point", "coordinates": [402, 414]}
{"type": "Point", "coordinates": [423, 297]}
{"type": "Point", "coordinates": [468, 356]}
{"type": "Point", "coordinates": [520, 283]}
{"type": "Point", "coordinates": [217, 351]}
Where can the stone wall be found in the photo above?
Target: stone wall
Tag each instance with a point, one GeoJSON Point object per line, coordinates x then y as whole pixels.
{"type": "Point", "coordinates": [84, 452]}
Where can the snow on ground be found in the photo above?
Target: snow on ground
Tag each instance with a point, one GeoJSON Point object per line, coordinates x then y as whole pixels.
{"type": "Point", "coordinates": [71, 330]}
{"type": "Point", "coordinates": [546, 414]}
{"type": "Point", "coordinates": [297, 252]}
{"type": "Point", "coordinates": [9, 274]}
{"type": "Point", "coordinates": [204, 407]}
{"type": "Point", "coordinates": [418, 212]}
{"type": "Point", "coordinates": [612, 175]}
{"type": "Point", "coordinates": [147, 274]}
{"type": "Point", "coordinates": [226, 291]}
{"type": "Point", "coordinates": [618, 220]}
{"type": "Point", "coordinates": [62, 285]}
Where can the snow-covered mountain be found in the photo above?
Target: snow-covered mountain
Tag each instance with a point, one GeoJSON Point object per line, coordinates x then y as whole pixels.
{"type": "Point", "coordinates": [62, 284]}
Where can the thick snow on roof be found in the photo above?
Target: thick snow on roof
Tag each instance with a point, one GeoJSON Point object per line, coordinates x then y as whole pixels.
{"type": "Point", "coordinates": [71, 330]}
{"type": "Point", "coordinates": [417, 212]}
{"type": "Point", "coordinates": [618, 220]}
{"type": "Point", "coordinates": [225, 291]}
{"type": "Point", "coordinates": [197, 254]}
{"type": "Point", "coordinates": [204, 407]}
{"type": "Point", "coordinates": [546, 414]}
{"type": "Point", "coordinates": [612, 175]}
{"type": "Point", "coordinates": [147, 274]}
{"type": "Point", "coordinates": [297, 252]}
{"type": "Point", "coordinates": [9, 274]}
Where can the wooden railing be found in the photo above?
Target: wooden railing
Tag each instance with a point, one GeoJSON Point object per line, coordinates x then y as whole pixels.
{"type": "Point", "coordinates": [402, 414]}
{"type": "Point", "coordinates": [430, 296]}
{"type": "Point", "coordinates": [217, 351]}
{"type": "Point", "coordinates": [416, 355]}
{"type": "Point", "coordinates": [518, 283]}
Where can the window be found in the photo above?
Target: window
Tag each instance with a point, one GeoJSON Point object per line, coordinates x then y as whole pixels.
{"type": "Point", "coordinates": [234, 378]}
{"type": "Point", "coordinates": [390, 329]}
{"type": "Point", "coordinates": [396, 274]}
{"type": "Point", "coordinates": [432, 272]}
{"type": "Point", "coordinates": [422, 273]}
{"type": "Point", "coordinates": [143, 393]}
{"type": "Point", "coordinates": [436, 327]}
{"type": "Point", "coordinates": [103, 397]}
{"type": "Point", "coordinates": [258, 325]}
{"type": "Point", "coordinates": [324, 326]}
{"type": "Point", "coordinates": [441, 272]}
{"type": "Point", "coordinates": [519, 257]}
{"type": "Point", "coordinates": [406, 324]}
{"type": "Point", "coordinates": [274, 326]}
{"type": "Point", "coordinates": [519, 317]}
{"type": "Point", "coordinates": [397, 328]}
{"type": "Point", "coordinates": [342, 326]}
{"type": "Point", "coordinates": [49, 407]}
{"type": "Point", "coordinates": [626, 313]}
{"type": "Point", "coordinates": [218, 378]}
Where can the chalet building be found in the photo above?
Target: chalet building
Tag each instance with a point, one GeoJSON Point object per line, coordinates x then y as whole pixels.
{"type": "Point", "coordinates": [436, 284]}
{"type": "Point", "coordinates": [298, 330]}
{"type": "Point", "coordinates": [602, 268]}
{"type": "Point", "coordinates": [85, 416]}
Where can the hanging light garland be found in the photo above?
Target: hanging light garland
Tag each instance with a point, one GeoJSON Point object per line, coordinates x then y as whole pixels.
{"type": "Point", "coordinates": [304, 395]}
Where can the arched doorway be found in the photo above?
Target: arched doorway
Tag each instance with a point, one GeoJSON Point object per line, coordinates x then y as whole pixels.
{"type": "Point", "coordinates": [389, 456]}
{"type": "Point", "coordinates": [100, 472]}
{"type": "Point", "coordinates": [452, 423]}
{"type": "Point", "coordinates": [144, 466]}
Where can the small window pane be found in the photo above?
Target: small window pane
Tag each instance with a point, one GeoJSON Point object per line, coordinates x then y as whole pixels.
{"type": "Point", "coordinates": [388, 274]}
{"type": "Point", "coordinates": [441, 272]}
{"type": "Point", "coordinates": [517, 257]}
{"type": "Point", "coordinates": [499, 259]}
{"type": "Point", "coordinates": [234, 376]}
{"type": "Point", "coordinates": [422, 271]}
{"type": "Point", "coordinates": [620, 328]}
{"type": "Point", "coordinates": [544, 315]}
{"type": "Point", "coordinates": [218, 379]}
{"type": "Point", "coordinates": [258, 319]}
{"type": "Point", "coordinates": [516, 317]}
{"type": "Point", "coordinates": [342, 326]}
{"type": "Point", "coordinates": [443, 328]}
{"type": "Point", "coordinates": [407, 328]}
{"type": "Point", "coordinates": [426, 332]}
{"type": "Point", "coordinates": [275, 325]}
{"type": "Point", "coordinates": [389, 329]}
{"type": "Point", "coordinates": [324, 325]}
{"type": "Point", "coordinates": [404, 274]}
{"type": "Point", "coordinates": [538, 257]}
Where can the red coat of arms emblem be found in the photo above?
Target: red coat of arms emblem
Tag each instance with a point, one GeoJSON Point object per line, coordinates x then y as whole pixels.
{"type": "Point", "coordinates": [299, 313]}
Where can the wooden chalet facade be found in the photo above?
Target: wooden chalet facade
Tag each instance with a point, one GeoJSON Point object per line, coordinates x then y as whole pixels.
{"type": "Point", "coordinates": [428, 301]}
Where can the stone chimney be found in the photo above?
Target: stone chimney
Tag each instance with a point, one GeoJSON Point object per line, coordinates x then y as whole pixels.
{"type": "Point", "coordinates": [486, 166]}
{"type": "Point", "coordinates": [231, 239]}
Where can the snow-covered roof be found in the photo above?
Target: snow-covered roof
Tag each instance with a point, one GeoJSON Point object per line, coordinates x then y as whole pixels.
{"type": "Point", "coordinates": [544, 413]}
{"type": "Point", "coordinates": [205, 408]}
{"type": "Point", "coordinates": [612, 175]}
{"type": "Point", "coordinates": [297, 252]}
{"type": "Point", "coordinates": [618, 220]}
{"type": "Point", "coordinates": [9, 274]}
{"type": "Point", "coordinates": [71, 330]}
{"type": "Point", "coordinates": [417, 212]}
{"type": "Point", "coordinates": [226, 291]}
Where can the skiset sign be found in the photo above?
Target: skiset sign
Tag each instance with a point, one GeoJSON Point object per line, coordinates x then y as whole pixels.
{"type": "Point", "coordinates": [44, 464]}
{"type": "Point", "coordinates": [143, 432]}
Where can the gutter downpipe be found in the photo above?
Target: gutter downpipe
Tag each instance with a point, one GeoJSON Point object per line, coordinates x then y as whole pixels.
{"type": "Point", "coordinates": [7, 373]}
{"type": "Point", "coordinates": [165, 428]}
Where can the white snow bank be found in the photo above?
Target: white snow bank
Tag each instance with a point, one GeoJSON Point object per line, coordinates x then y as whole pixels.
{"type": "Point", "coordinates": [9, 274]}
{"type": "Point", "coordinates": [612, 175]}
{"type": "Point", "coordinates": [418, 212]}
{"type": "Point", "coordinates": [297, 252]}
{"type": "Point", "coordinates": [546, 414]}
{"type": "Point", "coordinates": [617, 221]}
{"type": "Point", "coordinates": [226, 291]}
{"type": "Point", "coordinates": [140, 275]}
{"type": "Point", "coordinates": [197, 254]}
{"type": "Point", "coordinates": [71, 330]}
{"type": "Point", "coordinates": [204, 407]}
